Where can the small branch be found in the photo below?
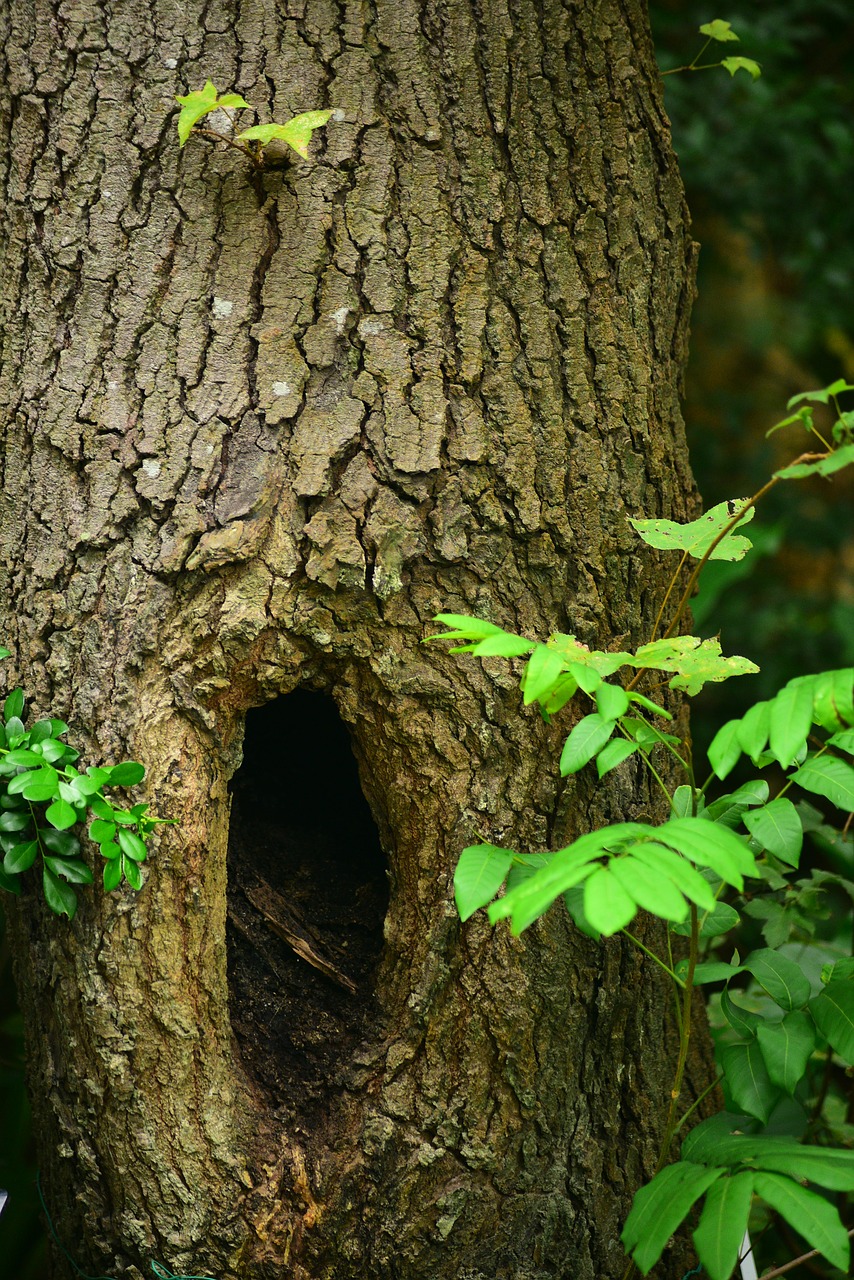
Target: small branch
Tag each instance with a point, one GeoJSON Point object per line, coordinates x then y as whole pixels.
{"type": "Point", "coordinates": [795, 1262]}
{"type": "Point", "coordinates": [230, 142]}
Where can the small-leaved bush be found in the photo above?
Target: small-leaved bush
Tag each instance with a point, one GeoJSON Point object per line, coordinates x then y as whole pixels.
{"type": "Point", "coordinates": [44, 796]}
{"type": "Point", "coordinates": [786, 1020]}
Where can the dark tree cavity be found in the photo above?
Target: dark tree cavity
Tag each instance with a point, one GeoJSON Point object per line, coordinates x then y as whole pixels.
{"type": "Point", "coordinates": [257, 429]}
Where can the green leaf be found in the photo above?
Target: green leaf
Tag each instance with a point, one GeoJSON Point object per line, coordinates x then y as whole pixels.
{"type": "Point", "coordinates": [127, 774]}
{"type": "Point", "coordinates": [543, 670]}
{"type": "Point", "coordinates": [787, 1047]}
{"type": "Point", "coordinates": [778, 829]}
{"type": "Point", "coordinates": [614, 753]}
{"type": "Point", "coordinates": [729, 809]}
{"type": "Point", "coordinates": [101, 831]}
{"type": "Point", "coordinates": [713, 924]}
{"type": "Point", "coordinates": [232, 100]}
{"type": "Point", "coordinates": [464, 627]}
{"type": "Point", "coordinates": [709, 971]}
{"type": "Point", "coordinates": [109, 849]}
{"type": "Point", "coordinates": [654, 893]}
{"type": "Point", "coordinates": [742, 1020]}
{"type": "Point", "coordinates": [131, 873]}
{"type": "Point", "coordinates": [810, 1214]}
{"type": "Point", "coordinates": [747, 1079]}
{"type": "Point", "coordinates": [22, 756]}
{"type": "Point", "coordinates": [59, 895]}
{"type": "Point", "coordinates": [725, 749]}
{"type": "Point", "coordinates": [784, 980]}
{"type": "Point", "coordinates": [481, 871]}
{"type": "Point", "coordinates": [790, 721]}
{"type": "Point", "coordinates": [113, 873]}
{"type": "Point", "coordinates": [722, 1224]}
{"type": "Point", "coordinates": [828, 776]}
{"type": "Point", "coordinates": [21, 857]}
{"type": "Point", "coordinates": [61, 815]}
{"type": "Point", "coordinates": [133, 846]}
{"type": "Point", "coordinates": [52, 751]}
{"type": "Point", "coordinates": [682, 802]}
{"type": "Point", "coordinates": [13, 706]}
{"type": "Point", "coordinates": [12, 821]}
{"type": "Point", "coordinates": [718, 30]}
{"type": "Point", "coordinates": [10, 883]}
{"type": "Point", "coordinates": [15, 731]}
{"type": "Point", "coordinates": [665, 862]}
{"type": "Point", "coordinates": [607, 904]}
{"type": "Point", "coordinates": [833, 698]}
{"type": "Point", "coordinates": [194, 107]}
{"type": "Point", "coordinates": [754, 728]}
{"type": "Point", "coordinates": [502, 646]}
{"type": "Point", "coordinates": [833, 1011]}
{"type": "Point", "coordinates": [732, 65]}
{"type": "Point", "coordinates": [697, 536]}
{"type": "Point", "coordinates": [61, 842]}
{"type": "Point", "coordinates": [296, 133]}
{"type": "Point", "coordinates": [709, 1144]}
{"type": "Point", "coordinates": [642, 701]}
{"type": "Point", "coordinates": [70, 869]}
{"type": "Point", "coordinates": [823, 396]}
{"type": "Point", "coordinates": [659, 1207]}
{"type": "Point", "coordinates": [584, 742]}
{"type": "Point", "coordinates": [577, 655]}
{"type": "Point", "coordinates": [844, 740]}
{"type": "Point", "coordinates": [611, 701]}
{"type": "Point", "coordinates": [696, 662]}
{"type": "Point", "coordinates": [825, 465]}
{"type": "Point", "coordinates": [710, 845]}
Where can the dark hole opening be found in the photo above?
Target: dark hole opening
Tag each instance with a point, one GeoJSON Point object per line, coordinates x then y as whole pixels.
{"type": "Point", "coordinates": [306, 901]}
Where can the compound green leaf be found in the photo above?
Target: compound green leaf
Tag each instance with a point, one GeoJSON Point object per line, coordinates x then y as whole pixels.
{"type": "Point", "coordinates": [722, 1224]}
{"type": "Point", "coordinates": [584, 742]}
{"type": "Point", "coordinates": [810, 1214]}
{"type": "Point", "coordinates": [659, 1207]}
{"type": "Point", "coordinates": [607, 904]}
{"type": "Point", "coordinates": [828, 776]}
{"type": "Point", "coordinates": [787, 1047]}
{"type": "Point", "coordinates": [710, 845]}
{"type": "Point", "coordinates": [502, 646]}
{"type": "Point", "coordinates": [59, 895]}
{"type": "Point", "coordinates": [833, 1011]}
{"type": "Point", "coordinates": [784, 980]}
{"type": "Point", "coordinates": [697, 536]}
{"type": "Point", "coordinates": [480, 873]}
{"type": "Point", "coordinates": [747, 1079]}
{"type": "Point", "coordinates": [778, 829]}
{"type": "Point", "coordinates": [790, 721]}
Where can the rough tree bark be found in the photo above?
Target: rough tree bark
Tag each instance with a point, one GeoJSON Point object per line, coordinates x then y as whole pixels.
{"type": "Point", "coordinates": [256, 431]}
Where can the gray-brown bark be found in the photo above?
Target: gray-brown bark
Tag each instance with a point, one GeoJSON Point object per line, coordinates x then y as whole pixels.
{"type": "Point", "coordinates": [256, 432]}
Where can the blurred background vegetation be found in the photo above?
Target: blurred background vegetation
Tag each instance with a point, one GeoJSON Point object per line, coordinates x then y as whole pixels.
{"type": "Point", "coordinates": [769, 170]}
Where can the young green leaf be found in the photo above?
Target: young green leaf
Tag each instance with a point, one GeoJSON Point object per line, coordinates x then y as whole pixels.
{"type": "Point", "coordinates": [824, 466]}
{"type": "Point", "coordinates": [659, 1207]}
{"type": "Point", "coordinates": [194, 107]}
{"type": "Point", "coordinates": [732, 65]}
{"type": "Point", "coordinates": [696, 537]}
{"type": "Point", "coordinates": [542, 672]}
{"type": "Point", "coordinates": [296, 133]}
{"type": "Point", "coordinates": [722, 1224]}
{"type": "Point", "coordinates": [666, 863]}
{"type": "Point", "coordinates": [710, 845]}
{"type": "Point", "coordinates": [480, 873]}
{"type": "Point", "coordinates": [578, 655]}
{"type": "Point", "coordinates": [810, 1214]}
{"type": "Point", "coordinates": [718, 30]}
{"type": "Point", "coordinates": [101, 831]}
{"type": "Point", "coordinates": [13, 706]}
{"type": "Point", "coordinates": [654, 893]}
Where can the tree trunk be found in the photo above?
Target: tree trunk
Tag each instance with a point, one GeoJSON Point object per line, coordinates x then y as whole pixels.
{"type": "Point", "coordinates": [257, 430]}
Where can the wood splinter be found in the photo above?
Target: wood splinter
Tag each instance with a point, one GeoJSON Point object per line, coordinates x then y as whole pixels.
{"type": "Point", "coordinates": [286, 925]}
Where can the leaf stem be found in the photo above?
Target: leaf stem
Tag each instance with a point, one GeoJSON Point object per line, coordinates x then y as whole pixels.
{"type": "Point", "coordinates": [670, 972]}
{"type": "Point", "coordinates": [230, 142]}
{"type": "Point", "coordinates": [684, 1041]}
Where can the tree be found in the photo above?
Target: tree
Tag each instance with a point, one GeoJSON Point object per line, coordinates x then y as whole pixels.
{"type": "Point", "coordinates": [258, 429]}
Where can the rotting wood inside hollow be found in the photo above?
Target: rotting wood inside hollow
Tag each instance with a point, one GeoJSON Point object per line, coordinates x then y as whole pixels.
{"type": "Point", "coordinates": [307, 898]}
